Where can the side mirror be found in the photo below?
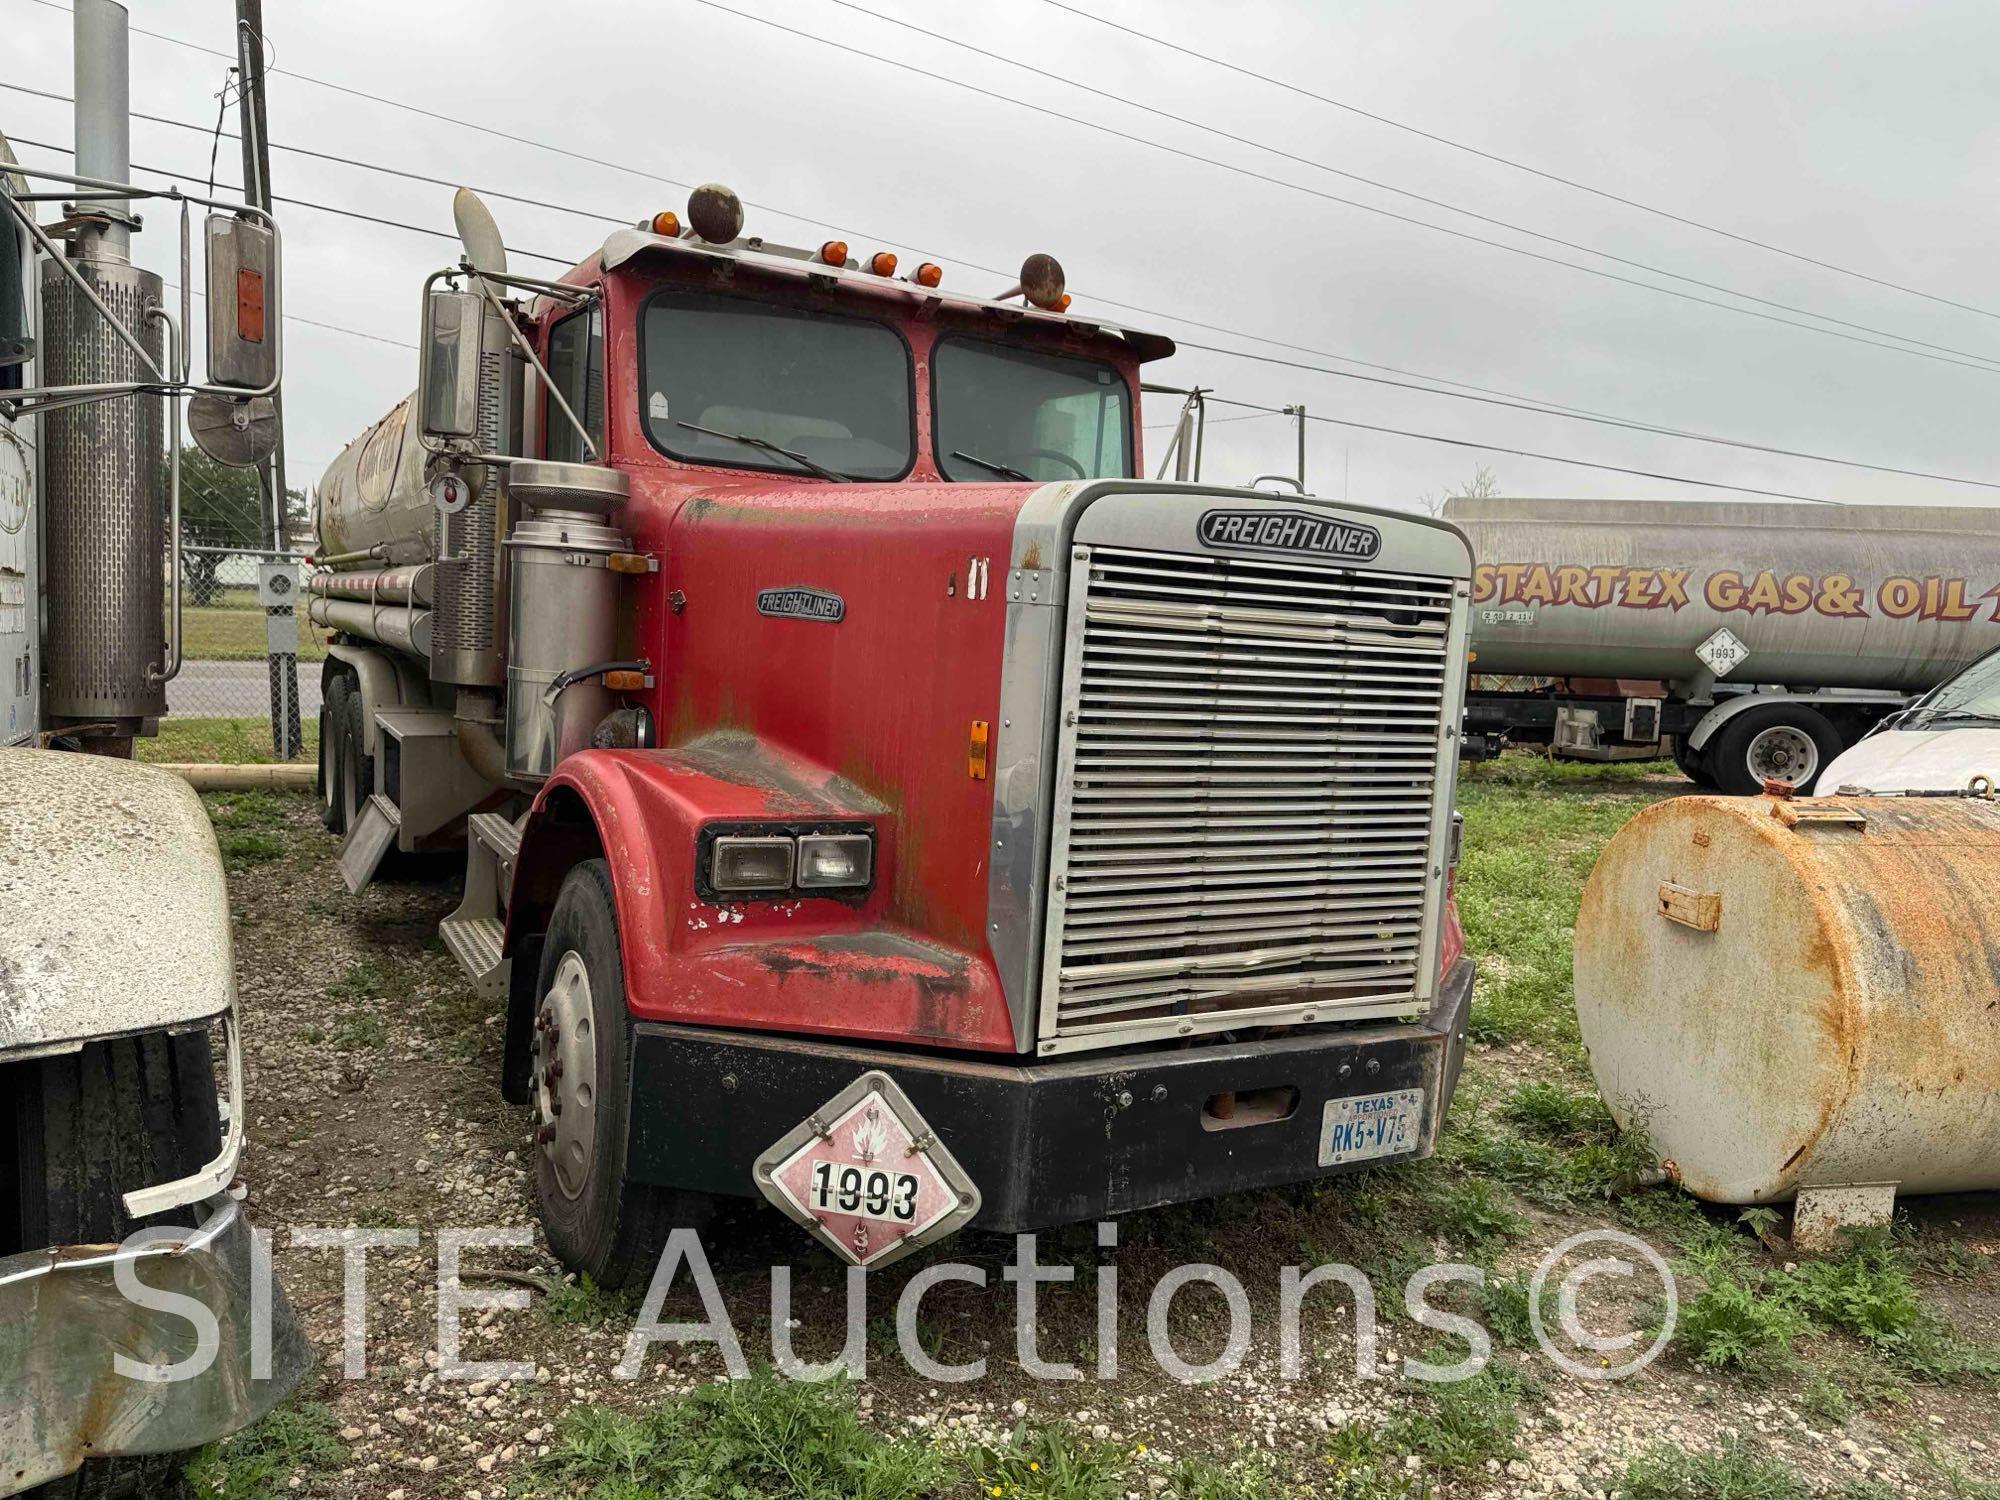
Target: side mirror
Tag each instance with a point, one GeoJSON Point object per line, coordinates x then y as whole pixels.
{"type": "Point", "coordinates": [242, 303]}
{"type": "Point", "coordinates": [449, 379]}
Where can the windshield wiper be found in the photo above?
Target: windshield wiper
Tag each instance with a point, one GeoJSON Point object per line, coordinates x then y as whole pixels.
{"type": "Point", "coordinates": [988, 465]}
{"type": "Point", "coordinates": [767, 446]}
{"type": "Point", "coordinates": [1951, 716]}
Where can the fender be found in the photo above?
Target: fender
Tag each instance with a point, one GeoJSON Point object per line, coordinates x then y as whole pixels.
{"type": "Point", "coordinates": [1742, 703]}
{"type": "Point", "coordinates": [386, 681]}
{"type": "Point", "coordinates": [802, 964]}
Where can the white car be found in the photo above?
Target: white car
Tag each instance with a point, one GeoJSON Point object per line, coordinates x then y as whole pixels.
{"type": "Point", "coordinates": [1940, 743]}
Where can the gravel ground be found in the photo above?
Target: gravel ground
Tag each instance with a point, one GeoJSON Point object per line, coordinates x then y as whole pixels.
{"type": "Point", "coordinates": [372, 1102]}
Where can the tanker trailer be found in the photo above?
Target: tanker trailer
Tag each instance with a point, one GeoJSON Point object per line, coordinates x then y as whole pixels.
{"type": "Point", "coordinates": [1755, 641]}
{"type": "Point", "coordinates": [1794, 998]}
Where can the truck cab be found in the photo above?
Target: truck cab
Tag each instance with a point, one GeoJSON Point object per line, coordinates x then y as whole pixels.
{"type": "Point", "coordinates": [883, 753]}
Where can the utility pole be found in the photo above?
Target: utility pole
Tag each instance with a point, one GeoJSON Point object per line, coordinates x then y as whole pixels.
{"type": "Point", "coordinates": [1299, 411]}
{"type": "Point", "coordinates": [277, 576]}
{"type": "Point", "coordinates": [257, 192]}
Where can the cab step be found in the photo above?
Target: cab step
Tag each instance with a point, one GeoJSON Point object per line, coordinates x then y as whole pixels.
{"type": "Point", "coordinates": [477, 931]}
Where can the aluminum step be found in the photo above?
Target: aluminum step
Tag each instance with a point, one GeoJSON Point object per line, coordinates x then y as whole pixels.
{"type": "Point", "coordinates": [475, 942]}
{"type": "Point", "coordinates": [371, 837]}
{"type": "Point", "coordinates": [497, 832]}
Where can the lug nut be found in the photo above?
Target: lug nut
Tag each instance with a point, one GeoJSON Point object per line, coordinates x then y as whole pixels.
{"type": "Point", "coordinates": [555, 1068]}
{"type": "Point", "coordinates": [546, 1134]}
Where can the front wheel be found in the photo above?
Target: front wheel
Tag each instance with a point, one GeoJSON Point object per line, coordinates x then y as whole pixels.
{"type": "Point", "coordinates": [1784, 742]}
{"type": "Point", "coordinates": [580, 1059]}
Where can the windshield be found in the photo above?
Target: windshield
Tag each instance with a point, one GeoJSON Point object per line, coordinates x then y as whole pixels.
{"type": "Point", "coordinates": [1003, 412]}
{"type": "Point", "coordinates": [727, 380]}
{"type": "Point", "coordinates": [1972, 696]}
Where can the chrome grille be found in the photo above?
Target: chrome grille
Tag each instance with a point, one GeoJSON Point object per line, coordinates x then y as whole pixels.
{"type": "Point", "coordinates": [1247, 789]}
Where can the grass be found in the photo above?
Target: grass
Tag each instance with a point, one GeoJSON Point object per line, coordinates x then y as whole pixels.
{"type": "Point", "coordinates": [230, 742]}
{"type": "Point", "coordinates": [761, 1437]}
{"type": "Point", "coordinates": [1462, 1424]}
{"type": "Point", "coordinates": [1358, 1464]}
{"type": "Point", "coordinates": [1532, 832]}
{"type": "Point", "coordinates": [584, 1303]}
{"type": "Point", "coordinates": [251, 828]}
{"type": "Point", "coordinates": [259, 1461]}
{"type": "Point", "coordinates": [232, 629]}
{"type": "Point", "coordinates": [1737, 1470]}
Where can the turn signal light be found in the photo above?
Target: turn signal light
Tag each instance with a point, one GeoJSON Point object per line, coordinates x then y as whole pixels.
{"type": "Point", "coordinates": [1062, 303]}
{"type": "Point", "coordinates": [667, 223]}
{"type": "Point", "coordinates": [629, 562]}
{"type": "Point", "coordinates": [834, 252]}
{"type": "Point", "coordinates": [882, 263]}
{"type": "Point", "coordinates": [624, 681]}
{"type": "Point", "coordinates": [928, 274]}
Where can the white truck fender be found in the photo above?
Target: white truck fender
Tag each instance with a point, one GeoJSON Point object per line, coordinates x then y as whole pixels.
{"type": "Point", "coordinates": [385, 680]}
{"type": "Point", "coordinates": [1741, 703]}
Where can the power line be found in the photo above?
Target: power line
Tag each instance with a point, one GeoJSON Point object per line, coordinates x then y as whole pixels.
{"type": "Point", "coordinates": [1387, 187]}
{"type": "Point", "coordinates": [1520, 166]}
{"type": "Point", "coordinates": [1571, 416]}
{"type": "Point", "coordinates": [1530, 404]}
{"type": "Point", "coordinates": [1538, 402]}
{"type": "Point", "coordinates": [1195, 156]}
{"type": "Point", "coordinates": [1581, 463]}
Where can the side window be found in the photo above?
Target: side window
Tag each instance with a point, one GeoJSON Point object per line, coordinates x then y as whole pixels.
{"type": "Point", "coordinates": [576, 366]}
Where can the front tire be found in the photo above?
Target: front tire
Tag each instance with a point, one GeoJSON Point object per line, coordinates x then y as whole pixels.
{"type": "Point", "coordinates": [1787, 741]}
{"type": "Point", "coordinates": [580, 1059]}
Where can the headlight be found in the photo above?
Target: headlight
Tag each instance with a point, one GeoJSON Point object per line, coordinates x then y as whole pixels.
{"type": "Point", "coordinates": [835, 859]}
{"type": "Point", "coordinates": [751, 864]}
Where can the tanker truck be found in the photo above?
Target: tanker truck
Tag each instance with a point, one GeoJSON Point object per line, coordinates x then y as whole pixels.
{"type": "Point", "coordinates": [1754, 642]}
{"type": "Point", "coordinates": [875, 795]}
{"type": "Point", "coordinates": [119, 1144]}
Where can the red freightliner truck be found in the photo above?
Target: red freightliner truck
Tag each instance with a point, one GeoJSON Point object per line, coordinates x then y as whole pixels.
{"type": "Point", "coordinates": [876, 793]}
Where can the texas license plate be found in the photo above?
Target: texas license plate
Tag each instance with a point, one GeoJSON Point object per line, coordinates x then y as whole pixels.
{"type": "Point", "coordinates": [1369, 1125]}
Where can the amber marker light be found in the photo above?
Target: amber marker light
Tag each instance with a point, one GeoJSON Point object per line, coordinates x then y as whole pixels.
{"type": "Point", "coordinates": [882, 263]}
{"type": "Point", "coordinates": [834, 252]}
{"type": "Point", "coordinates": [667, 223]}
{"type": "Point", "coordinates": [625, 682]}
{"type": "Point", "coordinates": [928, 274]}
{"type": "Point", "coordinates": [975, 749]}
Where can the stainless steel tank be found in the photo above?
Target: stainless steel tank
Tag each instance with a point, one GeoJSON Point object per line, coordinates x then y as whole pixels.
{"type": "Point", "coordinates": [102, 472]}
{"type": "Point", "coordinates": [1870, 596]}
{"type": "Point", "coordinates": [563, 609]}
{"type": "Point", "coordinates": [1793, 995]}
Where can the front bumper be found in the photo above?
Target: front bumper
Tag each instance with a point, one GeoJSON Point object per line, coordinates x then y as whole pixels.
{"type": "Point", "coordinates": [1052, 1142]}
{"type": "Point", "coordinates": [63, 1319]}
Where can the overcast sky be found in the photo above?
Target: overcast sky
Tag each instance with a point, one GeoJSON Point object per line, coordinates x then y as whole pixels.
{"type": "Point", "coordinates": [1861, 134]}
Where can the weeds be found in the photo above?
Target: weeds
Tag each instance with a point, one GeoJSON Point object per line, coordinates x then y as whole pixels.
{"type": "Point", "coordinates": [761, 1437]}
{"type": "Point", "coordinates": [584, 1302]}
{"type": "Point", "coordinates": [1249, 1476]}
{"type": "Point", "coordinates": [1466, 1422]}
{"type": "Point", "coordinates": [1738, 1470]}
{"type": "Point", "coordinates": [250, 828]}
{"type": "Point", "coordinates": [362, 980]}
{"type": "Point", "coordinates": [1474, 1212]}
{"type": "Point", "coordinates": [1051, 1461]}
{"type": "Point", "coordinates": [1359, 1466]}
{"type": "Point", "coordinates": [362, 1029]}
{"type": "Point", "coordinates": [260, 1460]}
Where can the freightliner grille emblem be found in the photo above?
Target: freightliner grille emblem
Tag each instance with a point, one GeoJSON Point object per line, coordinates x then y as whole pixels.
{"type": "Point", "coordinates": [801, 604]}
{"type": "Point", "coordinates": [1288, 531]}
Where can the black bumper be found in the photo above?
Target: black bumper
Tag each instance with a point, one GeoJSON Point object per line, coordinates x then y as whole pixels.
{"type": "Point", "coordinates": [1054, 1142]}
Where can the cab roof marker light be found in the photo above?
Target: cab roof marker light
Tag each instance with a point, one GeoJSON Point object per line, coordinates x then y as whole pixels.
{"type": "Point", "coordinates": [882, 263]}
{"type": "Point", "coordinates": [666, 223]}
{"type": "Point", "coordinates": [834, 253]}
{"type": "Point", "coordinates": [928, 274]}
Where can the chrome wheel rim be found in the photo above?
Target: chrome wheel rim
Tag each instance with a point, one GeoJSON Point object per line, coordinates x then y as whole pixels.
{"type": "Point", "coordinates": [564, 1063]}
{"type": "Point", "coordinates": [1785, 752]}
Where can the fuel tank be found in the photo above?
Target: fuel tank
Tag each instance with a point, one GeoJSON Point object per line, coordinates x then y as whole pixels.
{"type": "Point", "coordinates": [1792, 994]}
{"type": "Point", "coordinates": [372, 496]}
{"type": "Point", "coordinates": [1870, 596]}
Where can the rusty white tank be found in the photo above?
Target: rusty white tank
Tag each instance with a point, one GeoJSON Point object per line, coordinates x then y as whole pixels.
{"type": "Point", "coordinates": [1800, 995]}
{"type": "Point", "coordinates": [371, 499]}
{"type": "Point", "coordinates": [1869, 596]}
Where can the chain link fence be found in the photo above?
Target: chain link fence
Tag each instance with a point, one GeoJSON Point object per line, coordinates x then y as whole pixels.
{"type": "Point", "coordinates": [248, 687]}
